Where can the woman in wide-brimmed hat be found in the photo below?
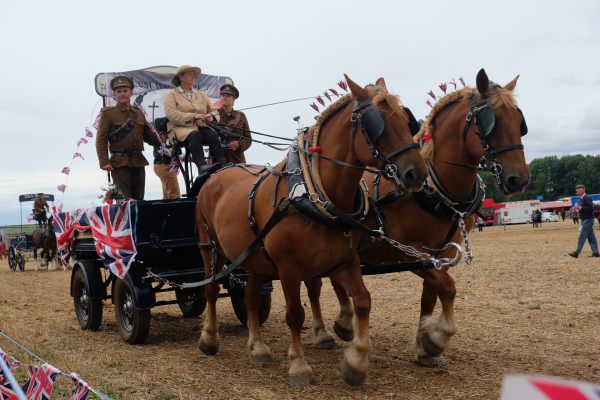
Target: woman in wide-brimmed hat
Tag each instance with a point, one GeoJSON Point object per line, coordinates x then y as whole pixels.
{"type": "Point", "coordinates": [188, 110]}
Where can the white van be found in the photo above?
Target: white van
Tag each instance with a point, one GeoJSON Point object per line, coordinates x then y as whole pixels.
{"type": "Point", "coordinates": [515, 215]}
{"type": "Point", "coordinates": [548, 216]}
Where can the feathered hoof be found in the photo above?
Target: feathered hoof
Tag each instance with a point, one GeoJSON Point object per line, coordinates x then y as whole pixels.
{"type": "Point", "coordinates": [343, 333]}
{"type": "Point", "coordinates": [430, 347]}
{"type": "Point", "coordinates": [351, 376]}
{"type": "Point", "coordinates": [261, 359]}
{"type": "Point", "coordinates": [326, 344]}
{"type": "Point", "coordinates": [432, 362]}
{"type": "Point", "coordinates": [208, 349]}
{"type": "Point", "coordinates": [302, 379]}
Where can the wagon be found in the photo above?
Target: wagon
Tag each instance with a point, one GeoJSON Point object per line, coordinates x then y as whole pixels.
{"type": "Point", "coordinates": [168, 256]}
{"type": "Point", "coordinates": [19, 251]}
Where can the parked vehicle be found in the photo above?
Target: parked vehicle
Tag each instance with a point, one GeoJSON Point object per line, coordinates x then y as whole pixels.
{"type": "Point", "coordinates": [548, 216]}
{"type": "Point", "coordinates": [516, 215]}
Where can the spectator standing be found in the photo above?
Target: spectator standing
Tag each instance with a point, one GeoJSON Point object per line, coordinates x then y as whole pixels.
{"type": "Point", "coordinates": [585, 207]}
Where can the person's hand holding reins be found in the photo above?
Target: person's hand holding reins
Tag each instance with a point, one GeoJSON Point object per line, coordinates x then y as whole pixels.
{"type": "Point", "coordinates": [233, 145]}
{"type": "Point", "coordinates": [107, 167]}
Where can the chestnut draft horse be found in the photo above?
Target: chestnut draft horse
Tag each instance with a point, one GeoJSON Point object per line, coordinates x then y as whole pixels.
{"type": "Point", "coordinates": [464, 127]}
{"type": "Point", "coordinates": [299, 214]}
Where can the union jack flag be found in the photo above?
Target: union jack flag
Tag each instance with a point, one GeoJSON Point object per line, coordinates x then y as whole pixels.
{"type": "Point", "coordinates": [40, 386]}
{"type": "Point", "coordinates": [61, 187]}
{"type": "Point", "coordinates": [97, 120]}
{"type": "Point", "coordinates": [113, 236]}
{"type": "Point", "coordinates": [88, 131]}
{"type": "Point", "coordinates": [78, 155]}
{"type": "Point", "coordinates": [82, 390]}
{"type": "Point", "coordinates": [7, 393]}
{"type": "Point", "coordinates": [65, 224]}
{"type": "Point", "coordinates": [12, 367]}
{"type": "Point", "coordinates": [66, 170]}
{"type": "Point", "coordinates": [80, 141]}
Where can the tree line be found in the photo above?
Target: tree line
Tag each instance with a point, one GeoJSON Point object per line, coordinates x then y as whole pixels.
{"type": "Point", "coordinates": [553, 178]}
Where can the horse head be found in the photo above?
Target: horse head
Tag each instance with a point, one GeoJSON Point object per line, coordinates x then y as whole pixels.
{"type": "Point", "coordinates": [496, 133]}
{"type": "Point", "coordinates": [386, 140]}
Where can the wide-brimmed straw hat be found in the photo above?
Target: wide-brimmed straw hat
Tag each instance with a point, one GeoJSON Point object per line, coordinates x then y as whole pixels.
{"type": "Point", "coordinates": [184, 68]}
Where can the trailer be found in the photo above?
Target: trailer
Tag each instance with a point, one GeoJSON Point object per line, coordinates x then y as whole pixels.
{"type": "Point", "coordinates": [516, 215]}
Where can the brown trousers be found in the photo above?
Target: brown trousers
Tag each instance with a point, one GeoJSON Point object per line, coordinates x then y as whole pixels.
{"type": "Point", "coordinates": [170, 184]}
{"type": "Point", "coordinates": [131, 180]}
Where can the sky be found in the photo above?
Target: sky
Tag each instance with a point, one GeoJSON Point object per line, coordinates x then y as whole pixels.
{"type": "Point", "coordinates": [276, 51]}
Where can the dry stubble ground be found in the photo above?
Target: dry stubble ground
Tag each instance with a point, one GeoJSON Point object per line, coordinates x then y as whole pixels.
{"type": "Point", "coordinates": [523, 306]}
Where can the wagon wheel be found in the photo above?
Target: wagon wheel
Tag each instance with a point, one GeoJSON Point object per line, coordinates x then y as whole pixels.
{"type": "Point", "coordinates": [12, 259]}
{"type": "Point", "coordinates": [238, 301]}
{"type": "Point", "coordinates": [87, 310]}
{"type": "Point", "coordinates": [20, 261]}
{"type": "Point", "coordinates": [133, 324]}
{"type": "Point", "coordinates": [191, 302]}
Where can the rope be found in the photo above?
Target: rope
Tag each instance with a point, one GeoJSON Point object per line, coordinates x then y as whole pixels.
{"type": "Point", "coordinates": [279, 102]}
{"type": "Point", "coordinates": [36, 357]}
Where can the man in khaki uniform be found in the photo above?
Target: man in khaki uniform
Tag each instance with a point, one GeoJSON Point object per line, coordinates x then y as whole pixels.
{"type": "Point", "coordinates": [234, 119]}
{"type": "Point", "coordinates": [122, 132]}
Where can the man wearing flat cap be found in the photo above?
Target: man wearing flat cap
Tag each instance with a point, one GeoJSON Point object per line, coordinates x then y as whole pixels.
{"type": "Point", "coordinates": [120, 139]}
{"type": "Point", "coordinates": [188, 111]}
{"type": "Point", "coordinates": [585, 207]}
{"type": "Point", "coordinates": [236, 123]}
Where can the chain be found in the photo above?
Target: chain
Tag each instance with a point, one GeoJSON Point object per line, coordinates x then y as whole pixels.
{"type": "Point", "coordinates": [465, 238]}
{"type": "Point", "coordinates": [235, 281]}
{"type": "Point", "coordinates": [161, 280]}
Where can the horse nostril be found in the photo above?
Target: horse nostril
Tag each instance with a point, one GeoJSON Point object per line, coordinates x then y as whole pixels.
{"type": "Point", "coordinates": [513, 183]}
{"type": "Point", "coordinates": [410, 176]}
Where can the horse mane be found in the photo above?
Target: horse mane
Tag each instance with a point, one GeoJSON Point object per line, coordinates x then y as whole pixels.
{"type": "Point", "coordinates": [499, 97]}
{"type": "Point", "coordinates": [381, 94]}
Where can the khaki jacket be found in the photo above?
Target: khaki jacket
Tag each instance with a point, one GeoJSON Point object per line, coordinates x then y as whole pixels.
{"type": "Point", "coordinates": [110, 120]}
{"type": "Point", "coordinates": [180, 111]}
{"type": "Point", "coordinates": [239, 120]}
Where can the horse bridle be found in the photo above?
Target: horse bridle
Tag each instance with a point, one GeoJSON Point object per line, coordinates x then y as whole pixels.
{"type": "Point", "coordinates": [485, 118]}
{"type": "Point", "coordinates": [372, 125]}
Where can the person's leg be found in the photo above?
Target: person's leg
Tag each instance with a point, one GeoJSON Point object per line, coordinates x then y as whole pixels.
{"type": "Point", "coordinates": [122, 178]}
{"type": "Point", "coordinates": [592, 238]}
{"type": "Point", "coordinates": [170, 184]}
{"type": "Point", "coordinates": [138, 183]}
{"type": "Point", "coordinates": [586, 226]}
{"type": "Point", "coordinates": [211, 138]}
{"type": "Point", "coordinates": [196, 147]}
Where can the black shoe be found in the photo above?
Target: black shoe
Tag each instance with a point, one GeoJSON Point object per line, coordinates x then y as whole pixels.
{"type": "Point", "coordinates": [595, 255]}
{"type": "Point", "coordinates": [574, 254]}
{"type": "Point", "coordinates": [209, 169]}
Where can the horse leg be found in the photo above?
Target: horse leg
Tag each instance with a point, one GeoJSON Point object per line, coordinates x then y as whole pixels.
{"type": "Point", "coordinates": [322, 339]}
{"type": "Point", "coordinates": [356, 362]}
{"type": "Point", "coordinates": [343, 322]}
{"type": "Point", "coordinates": [259, 352]}
{"type": "Point", "coordinates": [209, 338]}
{"type": "Point", "coordinates": [433, 334]}
{"type": "Point", "coordinates": [300, 373]}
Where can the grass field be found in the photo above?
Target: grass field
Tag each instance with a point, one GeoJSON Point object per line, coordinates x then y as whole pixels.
{"type": "Point", "coordinates": [523, 306]}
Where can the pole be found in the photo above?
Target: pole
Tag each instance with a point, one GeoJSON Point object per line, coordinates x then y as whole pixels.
{"type": "Point", "coordinates": [21, 206]}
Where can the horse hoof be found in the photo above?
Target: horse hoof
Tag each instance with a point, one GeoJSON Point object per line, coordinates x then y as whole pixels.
{"type": "Point", "coordinates": [432, 362]}
{"type": "Point", "coordinates": [208, 349]}
{"type": "Point", "coordinates": [302, 379]}
{"type": "Point", "coordinates": [261, 359]}
{"type": "Point", "coordinates": [351, 376]}
{"type": "Point", "coordinates": [326, 344]}
{"type": "Point", "coordinates": [343, 333]}
{"type": "Point", "coordinates": [430, 347]}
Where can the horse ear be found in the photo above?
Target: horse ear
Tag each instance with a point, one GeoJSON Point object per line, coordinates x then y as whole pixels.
{"type": "Point", "coordinates": [510, 86]}
{"type": "Point", "coordinates": [483, 82]}
{"type": "Point", "coordinates": [381, 83]}
{"type": "Point", "coordinates": [358, 93]}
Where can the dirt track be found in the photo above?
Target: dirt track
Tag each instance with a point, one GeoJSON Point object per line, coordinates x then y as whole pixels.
{"type": "Point", "coordinates": [523, 306]}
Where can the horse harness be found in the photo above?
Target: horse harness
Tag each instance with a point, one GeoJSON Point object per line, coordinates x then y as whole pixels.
{"type": "Point", "coordinates": [306, 193]}
{"type": "Point", "coordinates": [482, 113]}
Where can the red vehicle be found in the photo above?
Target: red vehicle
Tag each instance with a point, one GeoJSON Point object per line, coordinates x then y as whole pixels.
{"type": "Point", "coordinates": [488, 211]}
